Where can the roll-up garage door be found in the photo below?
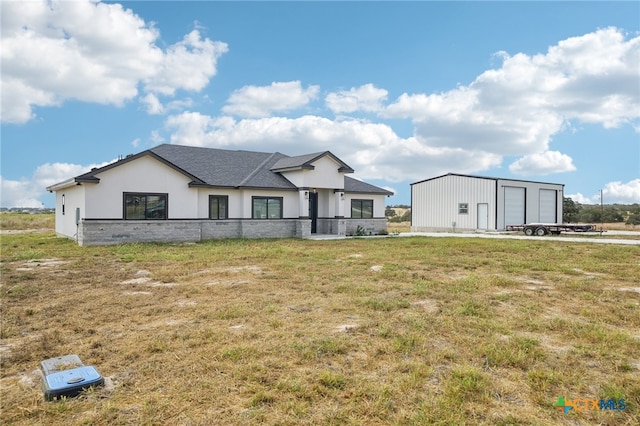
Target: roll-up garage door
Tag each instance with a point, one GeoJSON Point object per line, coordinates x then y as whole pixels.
{"type": "Point", "coordinates": [548, 200]}
{"type": "Point", "coordinates": [513, 206]}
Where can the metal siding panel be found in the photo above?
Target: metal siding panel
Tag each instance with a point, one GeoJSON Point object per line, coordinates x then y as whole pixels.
{"type": "Point", "coordinates": [435, 202]}
{"type": "Point", "coordinates": [548, 210]}
{"type": "Point", "coordinates": [514, 205]}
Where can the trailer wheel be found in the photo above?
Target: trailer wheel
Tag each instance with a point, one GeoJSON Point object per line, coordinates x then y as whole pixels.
{"type": "Point", "coordinates": [528, 231]}
{"type": "Point", "coordinates": [540, 232]}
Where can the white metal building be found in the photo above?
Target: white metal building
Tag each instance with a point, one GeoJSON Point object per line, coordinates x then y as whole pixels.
{"type": "Point", "coordinates": [463, 202]}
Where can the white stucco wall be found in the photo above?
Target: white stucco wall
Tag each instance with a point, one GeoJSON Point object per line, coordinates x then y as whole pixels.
{"type": "Point", "coordinates": [236, 199]}
{"type": "Point", "coordinates": [290, 201]}
{"type": "Point", "coordinates": [145, 175]}
{"type": "Point", "coordinates": [73, 199]}
{"type": "Point", "coordinates": [378, 203]}
{"type": "Point", "coordinates": [324, 175]}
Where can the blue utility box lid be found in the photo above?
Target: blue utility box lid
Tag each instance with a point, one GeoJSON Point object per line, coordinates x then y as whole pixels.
{"type": "Point", "coordinates": [70, 382]}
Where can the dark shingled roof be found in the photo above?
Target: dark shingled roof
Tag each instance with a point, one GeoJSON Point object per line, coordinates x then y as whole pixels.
{"type": "Point", "coordinates": [355, 185]}
{"type": "Point", "coordinates": [235, 169]}
{"type": "Point", "coordinates": [221, 167]}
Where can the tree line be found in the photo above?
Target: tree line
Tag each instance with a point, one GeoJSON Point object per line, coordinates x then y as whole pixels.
{"type": "Point", "coordinates": [573, 212]}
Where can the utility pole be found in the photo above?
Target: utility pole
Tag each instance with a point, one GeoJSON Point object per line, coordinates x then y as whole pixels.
{"type": "Point", "coordinates": [601, 211]}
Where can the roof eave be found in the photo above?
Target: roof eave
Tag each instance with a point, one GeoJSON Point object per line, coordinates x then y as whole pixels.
{"type": "Point", "coordinates": [383, 192]}
{"type": "Point", "coordinates": [293, 169]}
{"type": "Point", "coordinates": [61, 185]}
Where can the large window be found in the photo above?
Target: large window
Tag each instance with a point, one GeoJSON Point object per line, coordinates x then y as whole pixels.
{"type": "Point", "coordinates": [361, 209]}
{"type": "Point", "coordinates": [145, 206]}
{"type": "Point", "coordinates": [266, 208]}
{"type": "Point", "coordinates": [218, 207]}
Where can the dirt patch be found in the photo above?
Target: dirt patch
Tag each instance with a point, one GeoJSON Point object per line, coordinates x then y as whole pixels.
{"type": "Point", "coordinates": [141, 280]}
{"type": "Point", "coordinates": [249, 268]}
{"type": "Point", "coordinates": [41, 263]}
{"type": "Point", "coordinates": [429, 306]}
{"type": "Point", "coordinates": [344, 328]}
{"type": "Point", "coordinates": [137, 293]}
{"type": "Point", "coordinates": [631, 289]}
{"type": "Point", "coordinates": [23, 231]}
{"type": "Point", "coordinates": [227, 282]}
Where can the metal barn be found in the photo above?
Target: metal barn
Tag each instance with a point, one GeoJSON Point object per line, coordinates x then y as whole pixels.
{"type": "Point", "coordinates": [463, 202]}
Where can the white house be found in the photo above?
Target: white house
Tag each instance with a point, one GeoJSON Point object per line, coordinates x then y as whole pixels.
{"type": "Point", "coordinates": [182, 193]}
{"type": "Point", "coordinates": [463, 202]}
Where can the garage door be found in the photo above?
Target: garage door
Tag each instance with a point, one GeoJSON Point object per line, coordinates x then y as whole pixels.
{"type": "Point", "coordinates": [513, 206]}
{"type": "Point", "coordinates": [548, 200]}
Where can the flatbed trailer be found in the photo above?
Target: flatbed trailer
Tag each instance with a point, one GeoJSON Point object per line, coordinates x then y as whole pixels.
{"type": "Point", "coordinates": [541, 229]}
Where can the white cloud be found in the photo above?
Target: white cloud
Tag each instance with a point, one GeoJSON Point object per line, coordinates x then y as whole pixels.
{"type": "Point", "coordinates": [373, 149]}
{"type": "Point", "coordinates": [20, 193]}
{"type": "Point", "coordinates": [188, 65]}
{"type": "Point", "coordinates": [544, 163]}
{"type": "Point", "coordinates": [517, 108]}
{"type": "Point", "coordinates": [262, 101]}
{"type": "Point", "coordinates": [364, 98]}
{"type": "Point", "coordinates": [579, 198]}
{"type": "Point", "coordinates": [627, 193]}
{"type": "Point", "coordinates": [613, 193]}
{"type": "Point", "coordinates": [152, 104]}
{"type": "Point", "coordinates": [26, 192]}
{"type": "Point", "coordinates": [56, 50]}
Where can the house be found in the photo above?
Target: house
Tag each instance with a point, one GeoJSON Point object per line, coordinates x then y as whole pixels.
{"type": "Point", "coordinates": [174, 193]}
{"type": "Point", "coordinates": [463, 202]}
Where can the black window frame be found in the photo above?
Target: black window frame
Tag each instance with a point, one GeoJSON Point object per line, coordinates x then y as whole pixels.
{"type": "Point", "coordinates": [463, 208]}
{"type": "Point", "coordinates": [219, 198]}
{"type": "Point", "coordinates": [361, 202]}
{"type": "Point", "coordinates": [267, 198]}
{"type": "Point", "coordinates": [165, 210]}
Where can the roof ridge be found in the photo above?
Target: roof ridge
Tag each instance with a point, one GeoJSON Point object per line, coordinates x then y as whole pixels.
{"type": "Point", "coordinates": [257, 169]}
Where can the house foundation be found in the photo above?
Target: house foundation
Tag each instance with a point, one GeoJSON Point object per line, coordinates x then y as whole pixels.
{"type": "Point", "coordinates": [93, 232]}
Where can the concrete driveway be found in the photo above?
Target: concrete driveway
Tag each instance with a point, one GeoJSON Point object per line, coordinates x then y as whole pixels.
{"type": "Point", "coordinates": [564, 237]}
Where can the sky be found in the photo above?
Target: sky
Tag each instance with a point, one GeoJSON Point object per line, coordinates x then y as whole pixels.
{"type": "Point", "coordinates": [400, 91]}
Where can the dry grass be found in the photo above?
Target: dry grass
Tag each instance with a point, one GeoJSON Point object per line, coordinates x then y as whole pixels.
{"type": "Point", "coordinates": [26, 221]}
{"type": "Point", "coordinates": [359, 331]}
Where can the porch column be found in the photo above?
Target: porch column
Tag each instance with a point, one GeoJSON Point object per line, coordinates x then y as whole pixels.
{"type": "Point", "coordinates": [339, 202]}
{"type": "Point", "coordinates": [303, 201]}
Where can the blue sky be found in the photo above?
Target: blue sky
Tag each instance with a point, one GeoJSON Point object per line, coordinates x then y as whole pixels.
{"type": "Point", "coordinates": [401, 91]}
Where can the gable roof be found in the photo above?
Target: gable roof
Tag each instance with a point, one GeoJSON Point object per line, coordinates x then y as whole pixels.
{"type": "Point", "coordinates": [483, 177]}
{"type": "Point", "coordinates": [230, 168]}
{"type": "Point", "coordinates": [305, 162]}
{"type": "Point", "coordinates": [225, 168]}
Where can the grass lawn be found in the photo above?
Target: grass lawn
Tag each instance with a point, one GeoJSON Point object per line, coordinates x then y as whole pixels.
{"type": "Point", "coordinates": [360, 331]}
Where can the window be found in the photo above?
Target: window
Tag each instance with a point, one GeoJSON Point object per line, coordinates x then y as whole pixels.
{"type": "Point", "coordinates": [218, 207]}
{"type": "Point", "coordinates": [266, 208]}
{"type": "Point", "coordinates": [63, 204]}
{"type": "Point", "coordinates": [463, 208]}
{"type": "Point", "coordinates": [361, 209]}
{"type": "Point", "coordinates": [145, 206]}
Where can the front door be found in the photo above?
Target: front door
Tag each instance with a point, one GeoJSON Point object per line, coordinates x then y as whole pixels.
{"type": "Point", "coordinates": [313, 211]}
{"type": "Point", "coordinates": [483, 216]}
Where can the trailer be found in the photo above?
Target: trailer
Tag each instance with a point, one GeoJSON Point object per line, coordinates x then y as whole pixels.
{"type": "Point", "coordinates": [541, 229]}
